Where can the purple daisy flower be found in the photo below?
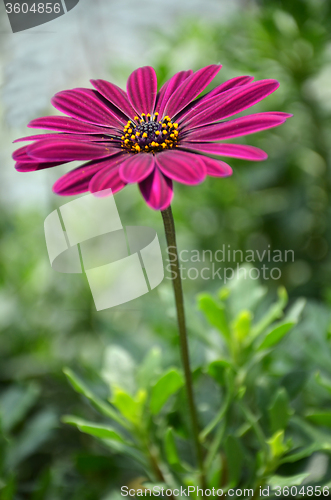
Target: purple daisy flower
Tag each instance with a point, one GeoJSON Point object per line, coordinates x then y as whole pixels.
{"type": "Point", "coordinates": [149, 137]}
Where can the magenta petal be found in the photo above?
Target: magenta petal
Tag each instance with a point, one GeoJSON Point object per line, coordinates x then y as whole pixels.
{"type": "Point", "coordinates": [87, 105]}
{"type": "Point", "coordinates": [66, 124]}
{"type": "Point", "coordinates": [169, 88]}
{"type": "Point", "coordinates": [40, 136]}
{"type": "Point", "coordinates": [77, 181]}
{"type": "Point", "coordinates": [142, 89]}
{"type": "Point", "coordinates": [235, 128]}
{"type": "Point", "coordinates": [21, 155]}
{"type": "Point", "coordinates": [32, 167]}
{"type": "Point", "coordinates": [24, 162]}
{"type": "Point", "coordinates": [74, 137]}
{"type": "Point", "coordinates": [216, 168]}
{"type": "Point", "coordinates": [238, 81]}
{"type": "Point", "coordinates": [108, 177]}
{"type": "Point", "coordinates": [203, 104]}
{"type": "Point", "coordinates": [191, 88]}
{"type": "Point", "coordinates": [217, 108]}
{"type": "Point", "coordinates": [280, 113]}
{"type": "Point", "coordinates": [157, 190]}
{"type": "Point", "coordinates": [137, 168]}
{"type": "Point", "coordinates": [115, 95]}
{"type": "Point", "coordinates": [232, 84]}
{"type": "Point", "coordinates": [231, 150]}
{"type": "Point", "coordinates": [181, 166]}
{"type": "Point", "coordinates": [67, 150]}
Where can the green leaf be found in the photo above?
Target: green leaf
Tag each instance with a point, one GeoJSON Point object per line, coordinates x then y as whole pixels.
{"type": "Point", "coordinates": [276, 444]}
{"type": "Point", "coordinates": [295, 311]}
{"type": "Point", "coordinates": [215, 314]}
{"type": "Point", "coordinates": [119, 368]}
{"type": "Point", "coordinates": [35, 433]}
{"type": "Point", "coordinates": [242, 325]}
{"type": "Point", "coordinates": [100, 405]}
{"type": "Point", "coordinates": [170, 447]}
{"type": "Point", "coordinates": [223, 293]}
{"type": "Point", "coordinates": [234, 455]}
{"type": "Point", "coordinates": [279, 411]}
{"type": "Point", "coordinates": [8, 488]}
{"type": "Point", "coordinates": [217, 370]}
{"type": "Point", "coordinates": [150, 368]}
{"type": "Point", "coordinates": [278, 331]}
{"type": "Point", "coordinates": [320, 418]}
{"type": "Point", "coordinates": [276, 334]}
{"type": "Point", "coordinates": [131, 408]}
{"type": "Point", "coordinates": [287, 480]}
{"type": "Point", "coordinates": [323, 382]}
{"type": "Point", "coordinates": [15, 404]}
{"type": "Point", "coordinates": [96, 430]}
{"type": "Point", "coordinates": [275, 312]}
{"type": "Point", "coordinates": [167, 385]}
{"type": "Point", "coordinates": [214, 471]}
{"type": "Point", "coordinates": [246, 292]}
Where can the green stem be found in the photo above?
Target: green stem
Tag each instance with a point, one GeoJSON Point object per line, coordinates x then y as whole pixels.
{"type": "Point", "coordinates": [253, 421]}
{"type": "Point", "coordinates": [169, 227]}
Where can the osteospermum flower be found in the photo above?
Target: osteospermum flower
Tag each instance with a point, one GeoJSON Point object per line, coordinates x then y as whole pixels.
{"type": "Point", "coordinates": [148, 137]}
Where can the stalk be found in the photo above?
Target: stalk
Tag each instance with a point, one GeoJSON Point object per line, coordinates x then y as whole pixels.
{"type": "Point", "coordinates": [169, 227]}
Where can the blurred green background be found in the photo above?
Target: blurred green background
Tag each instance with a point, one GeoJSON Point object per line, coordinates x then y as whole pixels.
{"type": "Point", "coordinates": [48, 320]}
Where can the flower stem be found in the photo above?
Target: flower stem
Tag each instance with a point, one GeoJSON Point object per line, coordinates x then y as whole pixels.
{"type": "Point", "coordinates": [169, 227]}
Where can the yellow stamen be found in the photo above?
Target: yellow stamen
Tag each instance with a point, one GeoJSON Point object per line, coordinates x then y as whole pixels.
{"type": "Point", "coordinates": [145, 135]}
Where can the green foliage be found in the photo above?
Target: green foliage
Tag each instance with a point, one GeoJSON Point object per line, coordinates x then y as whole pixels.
{"type": "Point", "coordinates": [261, 362]}
{"type": "Point", "coordinates": [167, 385]}
{"type": "Point", "coordinates": [259, 415]}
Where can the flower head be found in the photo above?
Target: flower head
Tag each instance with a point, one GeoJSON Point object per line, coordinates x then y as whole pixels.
{"type": "Point", "coordinates": [148, 137]}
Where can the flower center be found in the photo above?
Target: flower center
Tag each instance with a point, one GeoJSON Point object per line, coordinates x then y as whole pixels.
{"type": "Point", "coordinates": [147, 134]}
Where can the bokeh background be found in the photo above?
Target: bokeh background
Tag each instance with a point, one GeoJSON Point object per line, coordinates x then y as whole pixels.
{"type": "Point", "coordinates": [48, 320]}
